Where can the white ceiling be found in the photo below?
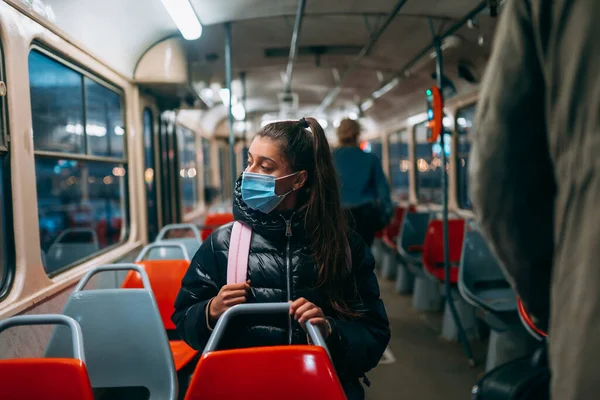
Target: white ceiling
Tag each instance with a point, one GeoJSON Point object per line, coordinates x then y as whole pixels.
{"type": "Point", "coordinates": [120, 31]}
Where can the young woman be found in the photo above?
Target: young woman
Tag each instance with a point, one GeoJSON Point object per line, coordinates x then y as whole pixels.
{"type": "Point", "coordinates": [289, 195]}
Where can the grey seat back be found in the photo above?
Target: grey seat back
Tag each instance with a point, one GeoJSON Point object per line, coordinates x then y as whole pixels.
{"type": "Point", "coordinates": [126, 344]}
{"type": "Point", "coordinates": [481, 280]}
{"type": "Point", "coordinates": [412, 233]}
{"type": "Point", "coordinates": [164, 250]}
{"type": "Point", "coordinates": [191, 244]}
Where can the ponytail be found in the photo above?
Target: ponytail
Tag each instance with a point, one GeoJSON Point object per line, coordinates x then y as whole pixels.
{"type": "Point", "coordinates": [324, 218]}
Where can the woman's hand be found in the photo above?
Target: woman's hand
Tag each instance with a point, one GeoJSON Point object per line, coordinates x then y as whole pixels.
{"type": "Point", "coordinates": [229, 296]}
{"type": "Point", "coordinates": [303, 310]}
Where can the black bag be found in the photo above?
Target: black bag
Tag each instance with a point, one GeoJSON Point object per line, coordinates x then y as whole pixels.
{"type": "Point", "coordinates": [526, 378]}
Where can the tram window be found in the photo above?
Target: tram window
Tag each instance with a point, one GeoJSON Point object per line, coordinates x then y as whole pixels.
{"type": "Point", "coordinates": [56, 105]}
{"type": "Point", "coordinates": [464, 126]}
{"type": "Point", "coordinates": [150, 174]}
{"type": "Point", "coordinates": [81, 208]}
{"type": "Point", "coordinates": [82, 200]}
{"type": "Point", "coordinates": [188, 169]}
{"type": "Point", "coordinates": [399, 164]}
{"type": "Point", "coordinates": [104, 121]}
{"type": "Point", "coordinates": [428, 157]}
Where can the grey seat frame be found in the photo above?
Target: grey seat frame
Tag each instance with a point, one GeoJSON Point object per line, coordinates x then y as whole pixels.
{"type": "Point", "coordinates": [126, 343]}
{"type": "Point", "coordinates": [478, 265]}
{"type": "Point", "coordinates": [163, 244]}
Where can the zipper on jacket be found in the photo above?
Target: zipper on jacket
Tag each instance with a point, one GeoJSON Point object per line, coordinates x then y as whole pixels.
{"type": "Point", "coordinates": [288, 262]}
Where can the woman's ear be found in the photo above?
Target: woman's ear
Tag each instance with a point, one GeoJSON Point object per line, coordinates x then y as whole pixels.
{"type": "Point", "coordinates": [300, 180]}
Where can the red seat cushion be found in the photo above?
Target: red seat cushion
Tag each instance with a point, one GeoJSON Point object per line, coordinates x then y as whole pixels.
{"type": "Point", "coordinates": [265, 373]}
{"type": "Point", "coordinates": [213, 221]}
{"type": "Point", "coordinates": [433, 248]}
{"type": "Point", "coordinates": [44, 378]}
{"type": "Point", "coordinates": [182, 353]}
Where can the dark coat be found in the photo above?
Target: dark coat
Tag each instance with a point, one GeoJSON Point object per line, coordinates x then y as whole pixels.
{"type": "Point", "coordinates": [535, 175]}
{"type": "Point", "coordinates": [356, 345]}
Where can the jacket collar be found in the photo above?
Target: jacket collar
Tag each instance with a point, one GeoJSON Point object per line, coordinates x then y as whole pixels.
{"type": "Point", "coordinates": [272, 225]}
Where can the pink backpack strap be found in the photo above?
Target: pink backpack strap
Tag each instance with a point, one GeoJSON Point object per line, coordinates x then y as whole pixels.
{"type": "Point", "coordinates": [239, 249]}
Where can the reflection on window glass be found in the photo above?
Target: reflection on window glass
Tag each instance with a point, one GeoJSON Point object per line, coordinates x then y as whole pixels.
{"type": "Point", "coordinates": [56, 105]}
{"type": "Point", "coordinates": [81, 203]}
{"type": "Point", "coordinates": [399, 163]}
{"type": "Point", "coordinates": [149, 175]}
{"type": "Point", "coordinates": [429, 163]}
{"type": "Point", "coordinates": [188, 169]}
{"type": "Point", "coordinates": [464, 126]}
{"type": "Point", "coordinates": [104, 121]}
{"type": "Point", "coordinates": [81, 206]}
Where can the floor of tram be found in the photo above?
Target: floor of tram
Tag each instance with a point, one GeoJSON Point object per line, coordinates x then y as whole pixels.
{"type": "Point", "coordinates": [423, 366]}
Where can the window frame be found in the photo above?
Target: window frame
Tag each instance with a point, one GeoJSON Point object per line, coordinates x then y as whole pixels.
{"type": "Point", "coordinates": [459, 200]}
{"type": "Point", "coordinates": [85, 157]}
{"type": "Point", "coordinates": [402, 133]}
{"type": "Point", "coordinates": [181, 131]}
{"type": "Point", "coordinates": [6, 203]}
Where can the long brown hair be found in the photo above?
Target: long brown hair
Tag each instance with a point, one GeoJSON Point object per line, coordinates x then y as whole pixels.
{"type": "Point", "coordinates": [308, 149]}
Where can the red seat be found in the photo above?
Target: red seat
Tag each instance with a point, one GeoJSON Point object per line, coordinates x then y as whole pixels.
{"type": "Point", "coordinates": [391, 232]}
{"type": "Point", "coordinates": [44, 378]}
{"type": "Point", "coordinates": [265, 373]}
{"type": "Point", "coordinates": [165, 278]}
{"type": "Point", "coordinates": [433, 248]}
{"type": "Point", "coordinates": [213, 221]}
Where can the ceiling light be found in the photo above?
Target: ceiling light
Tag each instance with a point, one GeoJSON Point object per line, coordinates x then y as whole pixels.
{"type": "Point", "coordinates": [224, 95]}
{"type": "Point", "coordinates": [238, 111]}
{"type": "Point", "coordinates": [185, 18]}
{"type": "Point", "coordinates": [323, 122]}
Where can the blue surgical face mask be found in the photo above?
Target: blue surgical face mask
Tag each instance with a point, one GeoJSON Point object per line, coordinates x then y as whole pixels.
{"type": "Point", "coordinates": [258, 191]}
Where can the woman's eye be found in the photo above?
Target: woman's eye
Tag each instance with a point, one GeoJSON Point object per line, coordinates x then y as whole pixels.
{"type": "Point", "coordinates": [266, 169]}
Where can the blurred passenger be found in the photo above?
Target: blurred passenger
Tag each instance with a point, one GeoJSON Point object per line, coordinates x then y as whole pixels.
{"type": "Point", "coordinates": [365, 190]}
{"type": "Point", "coordinates": [535, 176]}
{"type": "Point", "coordinates": [289, 195]}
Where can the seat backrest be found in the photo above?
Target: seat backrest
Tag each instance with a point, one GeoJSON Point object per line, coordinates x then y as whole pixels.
{"type": "Point", "coordinates": [414, 228]}
{"type": "Point", "coordinates": [478, 263]}
{"type": "Point", "coordinates": [191, 244]}
{"type": "Point", "coordinates": [164, 250]}
{"type": "Point", "coordinates": [174, 231]}
{"type": "Point", "coordinates": [279, 372]}
{"type": "Point", "coordinates": [213, 221]}
{"type": "Point", "coordinates": [165, 278]}
{"type": "Point", "coordinates": [126, 343]}
{"type": "Point", "coordinates": [46, 378]}
{"type": "Point", "coordinates": [433, 247]}
{"type": "Point", "coordinates": [393, 228]}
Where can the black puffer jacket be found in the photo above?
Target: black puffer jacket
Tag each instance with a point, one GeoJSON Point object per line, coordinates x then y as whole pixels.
{"type": "Point", "coordinates": [356, 345]}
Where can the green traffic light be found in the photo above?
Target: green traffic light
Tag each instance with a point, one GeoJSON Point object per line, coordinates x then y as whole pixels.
{"type": "Point", "coordinates": [428, 92]}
